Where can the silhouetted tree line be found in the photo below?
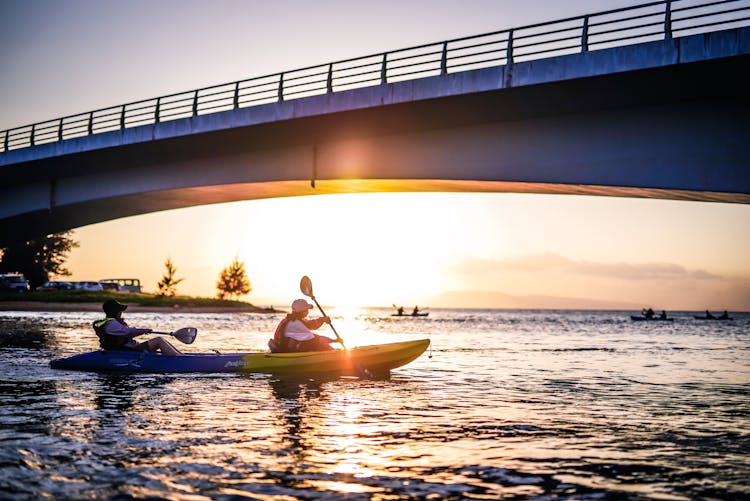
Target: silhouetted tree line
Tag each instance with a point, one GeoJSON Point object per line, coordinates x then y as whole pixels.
{"type": "Point", "coordinates": [38, 259]}
{"type": "Point", "coordinates": [41, 258]}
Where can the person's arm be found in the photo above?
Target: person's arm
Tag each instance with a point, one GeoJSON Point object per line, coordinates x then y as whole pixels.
{"type": "Point", "coordinates": [315, 323]}
{"type": "Point", "coordinates": [115, 328]}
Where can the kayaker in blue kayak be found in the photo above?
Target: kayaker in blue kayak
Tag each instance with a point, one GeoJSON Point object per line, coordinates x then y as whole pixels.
{"type": "Point", "coordinates": [115, 334]}
{"type": "Point", "coordinates": [294, 332]}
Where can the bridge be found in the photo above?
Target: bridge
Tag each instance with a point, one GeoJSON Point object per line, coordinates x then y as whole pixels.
{"type": "Point", "coordinates": [645, 101]}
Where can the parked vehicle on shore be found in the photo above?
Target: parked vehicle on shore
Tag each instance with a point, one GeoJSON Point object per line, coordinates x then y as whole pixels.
{"type": "Point", "coordinates": [123, 284]}
{"type": "Point", "coordinates": [88, 285]}
{"type": "Point", "coordinates": [109, 286]}
{"type": "Point", "coordinates": [55, 285]}
{"type": "Point", "coordinates": [13, 282]}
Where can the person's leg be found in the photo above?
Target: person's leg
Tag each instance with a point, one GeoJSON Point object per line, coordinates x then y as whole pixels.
{"type": "Point", "coordinates": [318, 343]}
{"type": "Point", "coordinates": [161, 344]}
{"type": "Point", "coordinates": [302, 346]}
{"type": "Point", "coordinates": [322, 343]}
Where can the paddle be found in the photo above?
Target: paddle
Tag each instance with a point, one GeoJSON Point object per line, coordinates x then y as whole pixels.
{"type": "Point", "coordinates": [186, 334]}
{"type": "Point", "coordinates": [305, 285]}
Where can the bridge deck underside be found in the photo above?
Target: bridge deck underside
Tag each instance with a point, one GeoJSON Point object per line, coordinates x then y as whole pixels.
{"type": "Point", "coordinates": [676, 132]}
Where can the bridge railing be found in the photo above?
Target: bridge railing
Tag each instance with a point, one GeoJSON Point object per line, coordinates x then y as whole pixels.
{"type": "Point", "coordinates": [645, 22]}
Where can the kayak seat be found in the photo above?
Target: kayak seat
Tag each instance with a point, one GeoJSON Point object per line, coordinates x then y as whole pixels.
{"type": "Point", "coordinates": [273, 346]}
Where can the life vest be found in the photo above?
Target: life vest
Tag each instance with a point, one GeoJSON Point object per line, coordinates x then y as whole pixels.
{"type": "Point", "coordinates": [279, 343]}
{"type": "Point", "coordinates": [108, 341]}
{"type": "Point", "coordinates": [282, 344]}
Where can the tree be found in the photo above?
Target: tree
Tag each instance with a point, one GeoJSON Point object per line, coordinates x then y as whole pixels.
{"type": "Point", "coordinates": [39, 258]}
{"type": "Point", "coordinates": [168, 284]}
{"type": "Point", "coordinates": [233, 280]}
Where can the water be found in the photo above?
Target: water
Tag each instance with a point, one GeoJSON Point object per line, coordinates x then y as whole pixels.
{"type": "Point", "coordinates": [511, 405]}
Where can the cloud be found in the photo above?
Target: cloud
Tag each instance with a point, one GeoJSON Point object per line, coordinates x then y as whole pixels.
{"type": "Point", "coordinates": [545, 262]}
{"type": "Point", "coordinates": [490, 299]}
{"type": "Point", "coordinates": [550, 280]}
{"type": "Point", "coordinates": [535, 262]}
{"type": "Point", "coordinates": [640, 271]}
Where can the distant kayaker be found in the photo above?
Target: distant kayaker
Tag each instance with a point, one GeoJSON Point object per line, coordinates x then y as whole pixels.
{"type": "Point", "coordinates": [663, 314]}
{"type": "Point", "coordinates": [294, 332]}
{"type": "Point", "coordinates": [115, 334]}
{"type": "Point", "coordinates": [648, 313]}
{"type": "Point", "coordinates": [416, 311]}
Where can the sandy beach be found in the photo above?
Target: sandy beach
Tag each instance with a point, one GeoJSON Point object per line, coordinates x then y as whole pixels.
{"type": "Point", "coordinates": [132, 308]}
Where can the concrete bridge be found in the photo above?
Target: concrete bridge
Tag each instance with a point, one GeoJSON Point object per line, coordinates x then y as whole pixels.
{"type": "Point", "coordinates": [664, 118]}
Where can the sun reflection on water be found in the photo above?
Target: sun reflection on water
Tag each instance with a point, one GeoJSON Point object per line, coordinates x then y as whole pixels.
{"type": "Point", "coordinates": [344, 487]}
{"type": "Point", "coordinates": [350, 323]}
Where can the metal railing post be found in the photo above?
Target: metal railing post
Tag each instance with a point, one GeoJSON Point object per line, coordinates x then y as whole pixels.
{"type": "Point", "coordinates": [509, 51]}
{"type": "Point", "coordinates": [668, 20]}
{"type": "Point", "coordinates": [31, 137]}
{"type": "Point", "coordinates": [444, 60]}
{"type": "Point", "coordinates": [91, 123]}
{"type": "Point", "coordinates": [384, 70]}
{"type": "Point", "coordinates": [281, 87]}
{"type": "Point", "coordinates": [122, 117]}
{"type": "Point", "coordinates": [195, 104]}
{"type": "Point", "coordinates": [7, 140]}
{"type": "Point", "coordinates": [329, 80]}
{"type": "Point", "coordinates": [60, 130]}
{"type": "Point", "coordinates": [157, 111]}
{"type": "Point", "coordinates": [585, 35]}
{"type": "Point", "coordinates": [236, 95]}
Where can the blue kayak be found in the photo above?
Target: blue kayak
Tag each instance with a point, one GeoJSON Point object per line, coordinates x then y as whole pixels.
{"type": "Point", "coordinates": [375, 359]}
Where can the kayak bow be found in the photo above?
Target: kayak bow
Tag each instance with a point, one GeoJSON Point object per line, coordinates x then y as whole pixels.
{"type": "Point", "coordinates": [377, 359]}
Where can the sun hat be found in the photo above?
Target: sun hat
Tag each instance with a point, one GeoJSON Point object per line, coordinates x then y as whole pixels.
{"type": "Point", "coordinates": [300, 305]}
{"type": "Point", "coordinates": [112, 307]}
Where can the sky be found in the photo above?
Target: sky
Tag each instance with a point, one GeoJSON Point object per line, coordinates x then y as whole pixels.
{"type": "Point", "coordinates": [431, 249]}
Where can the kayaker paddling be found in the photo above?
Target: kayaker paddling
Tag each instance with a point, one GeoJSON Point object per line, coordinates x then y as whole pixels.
{"type": "Point", "coordinates": [294, 332]}
{"type": "Point", "coordinates": [115, 334]}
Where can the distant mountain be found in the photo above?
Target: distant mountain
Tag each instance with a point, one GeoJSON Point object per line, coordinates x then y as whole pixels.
{"type": "Point", "coordinates": [488, 299]}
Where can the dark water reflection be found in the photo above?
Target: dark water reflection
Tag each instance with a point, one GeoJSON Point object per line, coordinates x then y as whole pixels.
{"type": "Point", "coordinates": [25, 333]}
{"type": "Point", "coordinates": [548, 405]}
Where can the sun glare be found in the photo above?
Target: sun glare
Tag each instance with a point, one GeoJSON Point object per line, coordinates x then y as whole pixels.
{"type": "Point", "coordinates": [359, 250]}
{"type": "Point", "coordinates": [348, 323]}
{"type": "Point", "coordinates": [429, 249]}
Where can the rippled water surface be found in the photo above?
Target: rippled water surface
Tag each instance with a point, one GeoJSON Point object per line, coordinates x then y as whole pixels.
{"type": "Point", "coordinates": [507, 405]}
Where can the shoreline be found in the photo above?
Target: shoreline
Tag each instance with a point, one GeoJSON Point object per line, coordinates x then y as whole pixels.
{"type": "Point", "coordinates": [132, 308]}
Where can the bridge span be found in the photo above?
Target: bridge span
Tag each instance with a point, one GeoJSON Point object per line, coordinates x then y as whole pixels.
{"type": "Point", "coordinates": [660, 119]}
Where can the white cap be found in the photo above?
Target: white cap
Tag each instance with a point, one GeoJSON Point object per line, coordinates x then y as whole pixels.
{"type": "Point", "coordinates": [300, 305]}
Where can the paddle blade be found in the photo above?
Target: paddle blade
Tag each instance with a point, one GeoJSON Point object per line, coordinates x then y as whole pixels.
{"type": "Point", "coordinates": [186, 334]}
{"type": "Point", "coordinates": [305, 285]}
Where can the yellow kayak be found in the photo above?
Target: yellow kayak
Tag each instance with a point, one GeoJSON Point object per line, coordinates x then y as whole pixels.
{"type": "Point", "coordinates": [376, 359]}
{"type": "Point", "coordinates": [366, 360]}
